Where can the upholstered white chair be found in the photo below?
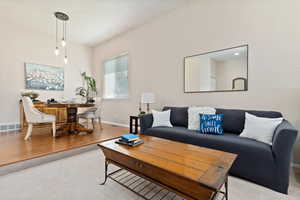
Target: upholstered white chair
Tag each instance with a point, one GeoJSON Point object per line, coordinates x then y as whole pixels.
{"type": "Point", "coordinates": [34, 116]}
{"type": "Point", "coordinates": [93, 113]}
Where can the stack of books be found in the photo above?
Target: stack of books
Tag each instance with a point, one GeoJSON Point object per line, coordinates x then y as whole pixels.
{"type": "Point", "coordinates": [130, 140]}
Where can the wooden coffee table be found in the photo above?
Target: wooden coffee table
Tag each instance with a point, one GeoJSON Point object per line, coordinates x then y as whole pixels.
{"type": "Point", "coordinates": [190, 171]}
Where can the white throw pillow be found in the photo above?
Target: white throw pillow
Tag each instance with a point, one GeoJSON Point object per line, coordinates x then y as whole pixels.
{"type": "Point", "coordinates": [194, 118]}
{"type": "Point", "coordinates": [260, 128]}
{"type": "Point", "coordinates": [161, 118]}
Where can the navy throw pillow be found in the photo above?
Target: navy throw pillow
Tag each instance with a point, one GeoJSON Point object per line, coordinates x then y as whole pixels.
{"type": "Point", "coordinates": [211, 123]}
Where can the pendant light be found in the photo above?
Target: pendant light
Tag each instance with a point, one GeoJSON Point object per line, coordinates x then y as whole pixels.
{"type": "Point", "coordinates": [63, 18]}
{"type": "Point", "coordinates": [66, 57]}
{"type": "Point", "coordinates": [56, 51]}
{"type": "Point", "coordinates": [63, 40]}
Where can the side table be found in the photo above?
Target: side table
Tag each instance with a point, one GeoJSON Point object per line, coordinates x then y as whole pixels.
{"type": "Point", "coordinates": [134, 123]}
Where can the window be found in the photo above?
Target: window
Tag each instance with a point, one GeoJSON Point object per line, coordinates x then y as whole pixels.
{"type": "Point", "coordinates": [115, 84]}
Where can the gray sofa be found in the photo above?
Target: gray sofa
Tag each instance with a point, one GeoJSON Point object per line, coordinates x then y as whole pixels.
{"type": "Point", "coordinates": [258, 162]}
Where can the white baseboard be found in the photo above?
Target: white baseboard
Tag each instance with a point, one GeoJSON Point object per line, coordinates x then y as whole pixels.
{"type": "Point", "coordinates": [296, 165]}
{"type": "Point", "coordinates": [10, 127]}
{"type": "Point", "coordinates": [116, 124]}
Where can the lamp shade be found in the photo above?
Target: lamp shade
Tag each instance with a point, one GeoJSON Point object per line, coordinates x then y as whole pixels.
{"type": "Point", "coordinates": [148, 97]}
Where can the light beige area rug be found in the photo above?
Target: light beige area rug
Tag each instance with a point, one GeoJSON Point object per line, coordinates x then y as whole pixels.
{"type": "Point", "coordinates": [76, 176]}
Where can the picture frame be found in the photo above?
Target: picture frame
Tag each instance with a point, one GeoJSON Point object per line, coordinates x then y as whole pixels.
{"type": "Point", "coordinates": [44, 77]}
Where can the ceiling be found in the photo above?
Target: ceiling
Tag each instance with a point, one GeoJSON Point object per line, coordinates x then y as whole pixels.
{"type": "Point", "coordinates": [229, 54]}
{"type": "Point", "coordinates": [91, 21]}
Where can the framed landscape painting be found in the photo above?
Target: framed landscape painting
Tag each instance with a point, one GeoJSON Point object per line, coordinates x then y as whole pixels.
{"type": "Point", "coordinates": [44, 77]}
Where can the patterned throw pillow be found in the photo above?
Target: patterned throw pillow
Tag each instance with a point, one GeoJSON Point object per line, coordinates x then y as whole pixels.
{"type": "Point", "coordinates": [193, 116]}
{"type": "Point", "coordinates": [211, 123]}
{"type": "Point", "coordinates": [161, 118]}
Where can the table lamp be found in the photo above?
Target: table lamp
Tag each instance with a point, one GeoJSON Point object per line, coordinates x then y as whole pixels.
{"type": "Point", "coordinates": [147, 98]}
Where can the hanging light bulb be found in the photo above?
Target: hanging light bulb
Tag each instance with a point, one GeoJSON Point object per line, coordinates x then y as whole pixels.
{"type": "Point", "coordinates": [63, 42]}
{"type": "Point", "coordinates": [66, 56]}
{"type": "Point", "coordinates": [66, 59]}
{"type": "Point", "coordinates": [56, 51]}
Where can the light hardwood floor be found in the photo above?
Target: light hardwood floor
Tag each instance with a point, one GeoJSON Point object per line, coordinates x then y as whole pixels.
{"type": "Point", "coordinates": [15, 149]}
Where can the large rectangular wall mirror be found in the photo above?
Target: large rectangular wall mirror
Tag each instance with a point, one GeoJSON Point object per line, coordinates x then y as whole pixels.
{"type": "Point", "coordinates": [218, 71]}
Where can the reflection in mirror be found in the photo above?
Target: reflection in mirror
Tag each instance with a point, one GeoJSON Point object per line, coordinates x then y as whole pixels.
{"type": "Point", "coordinates": [223, 70]}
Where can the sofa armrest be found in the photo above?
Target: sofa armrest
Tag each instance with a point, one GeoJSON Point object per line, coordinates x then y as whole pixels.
{"type": "Point", "coordinates": [283, 142]}
{"type": "Point", "coordinates": [146, 122]}
{"type": "Point", "coordinates": [284, 138]}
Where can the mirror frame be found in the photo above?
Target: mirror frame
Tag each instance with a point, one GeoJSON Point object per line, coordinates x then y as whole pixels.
{"type": "Point", "coordinates": [247, 79]}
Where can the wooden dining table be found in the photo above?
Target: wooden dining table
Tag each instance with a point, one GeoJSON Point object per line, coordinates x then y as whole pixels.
{"type": "Point", "coordinates": [72, 125]}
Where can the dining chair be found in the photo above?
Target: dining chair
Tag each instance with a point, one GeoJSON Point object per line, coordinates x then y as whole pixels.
{"type": "Point", "coordinates": [34, 116]}
{"type": "Point", "coordinates": [93, 113]}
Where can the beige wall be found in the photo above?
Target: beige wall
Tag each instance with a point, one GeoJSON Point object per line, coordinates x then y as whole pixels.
{"type": "Point", "coordinates": [18, 45]}
{"type": "Point", "coordinates": [156, 50]}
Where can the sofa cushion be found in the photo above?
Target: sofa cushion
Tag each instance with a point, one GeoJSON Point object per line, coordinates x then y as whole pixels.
{"type": "Point", "coordinates": [179, 115]}
{"type": "Point", "coordinates": [228, 142]}
{"type": "Point", "coordinates": [176, 133]}
{"type": "Point", "coordinates": [234, 120]}
{"type": "Point", "coordinates": [247, 149]}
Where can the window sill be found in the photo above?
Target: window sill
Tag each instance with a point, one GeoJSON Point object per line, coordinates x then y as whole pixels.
{"type": "Point", "coordinates": [115, 98]}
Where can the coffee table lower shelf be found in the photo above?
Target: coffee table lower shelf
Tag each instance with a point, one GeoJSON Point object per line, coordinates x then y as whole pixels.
{"type": "Point", "coordinates": [148, 188]}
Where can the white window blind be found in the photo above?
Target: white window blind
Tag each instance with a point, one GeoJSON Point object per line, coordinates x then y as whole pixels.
{"type": "Point", "coordinates": [115, 78]}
